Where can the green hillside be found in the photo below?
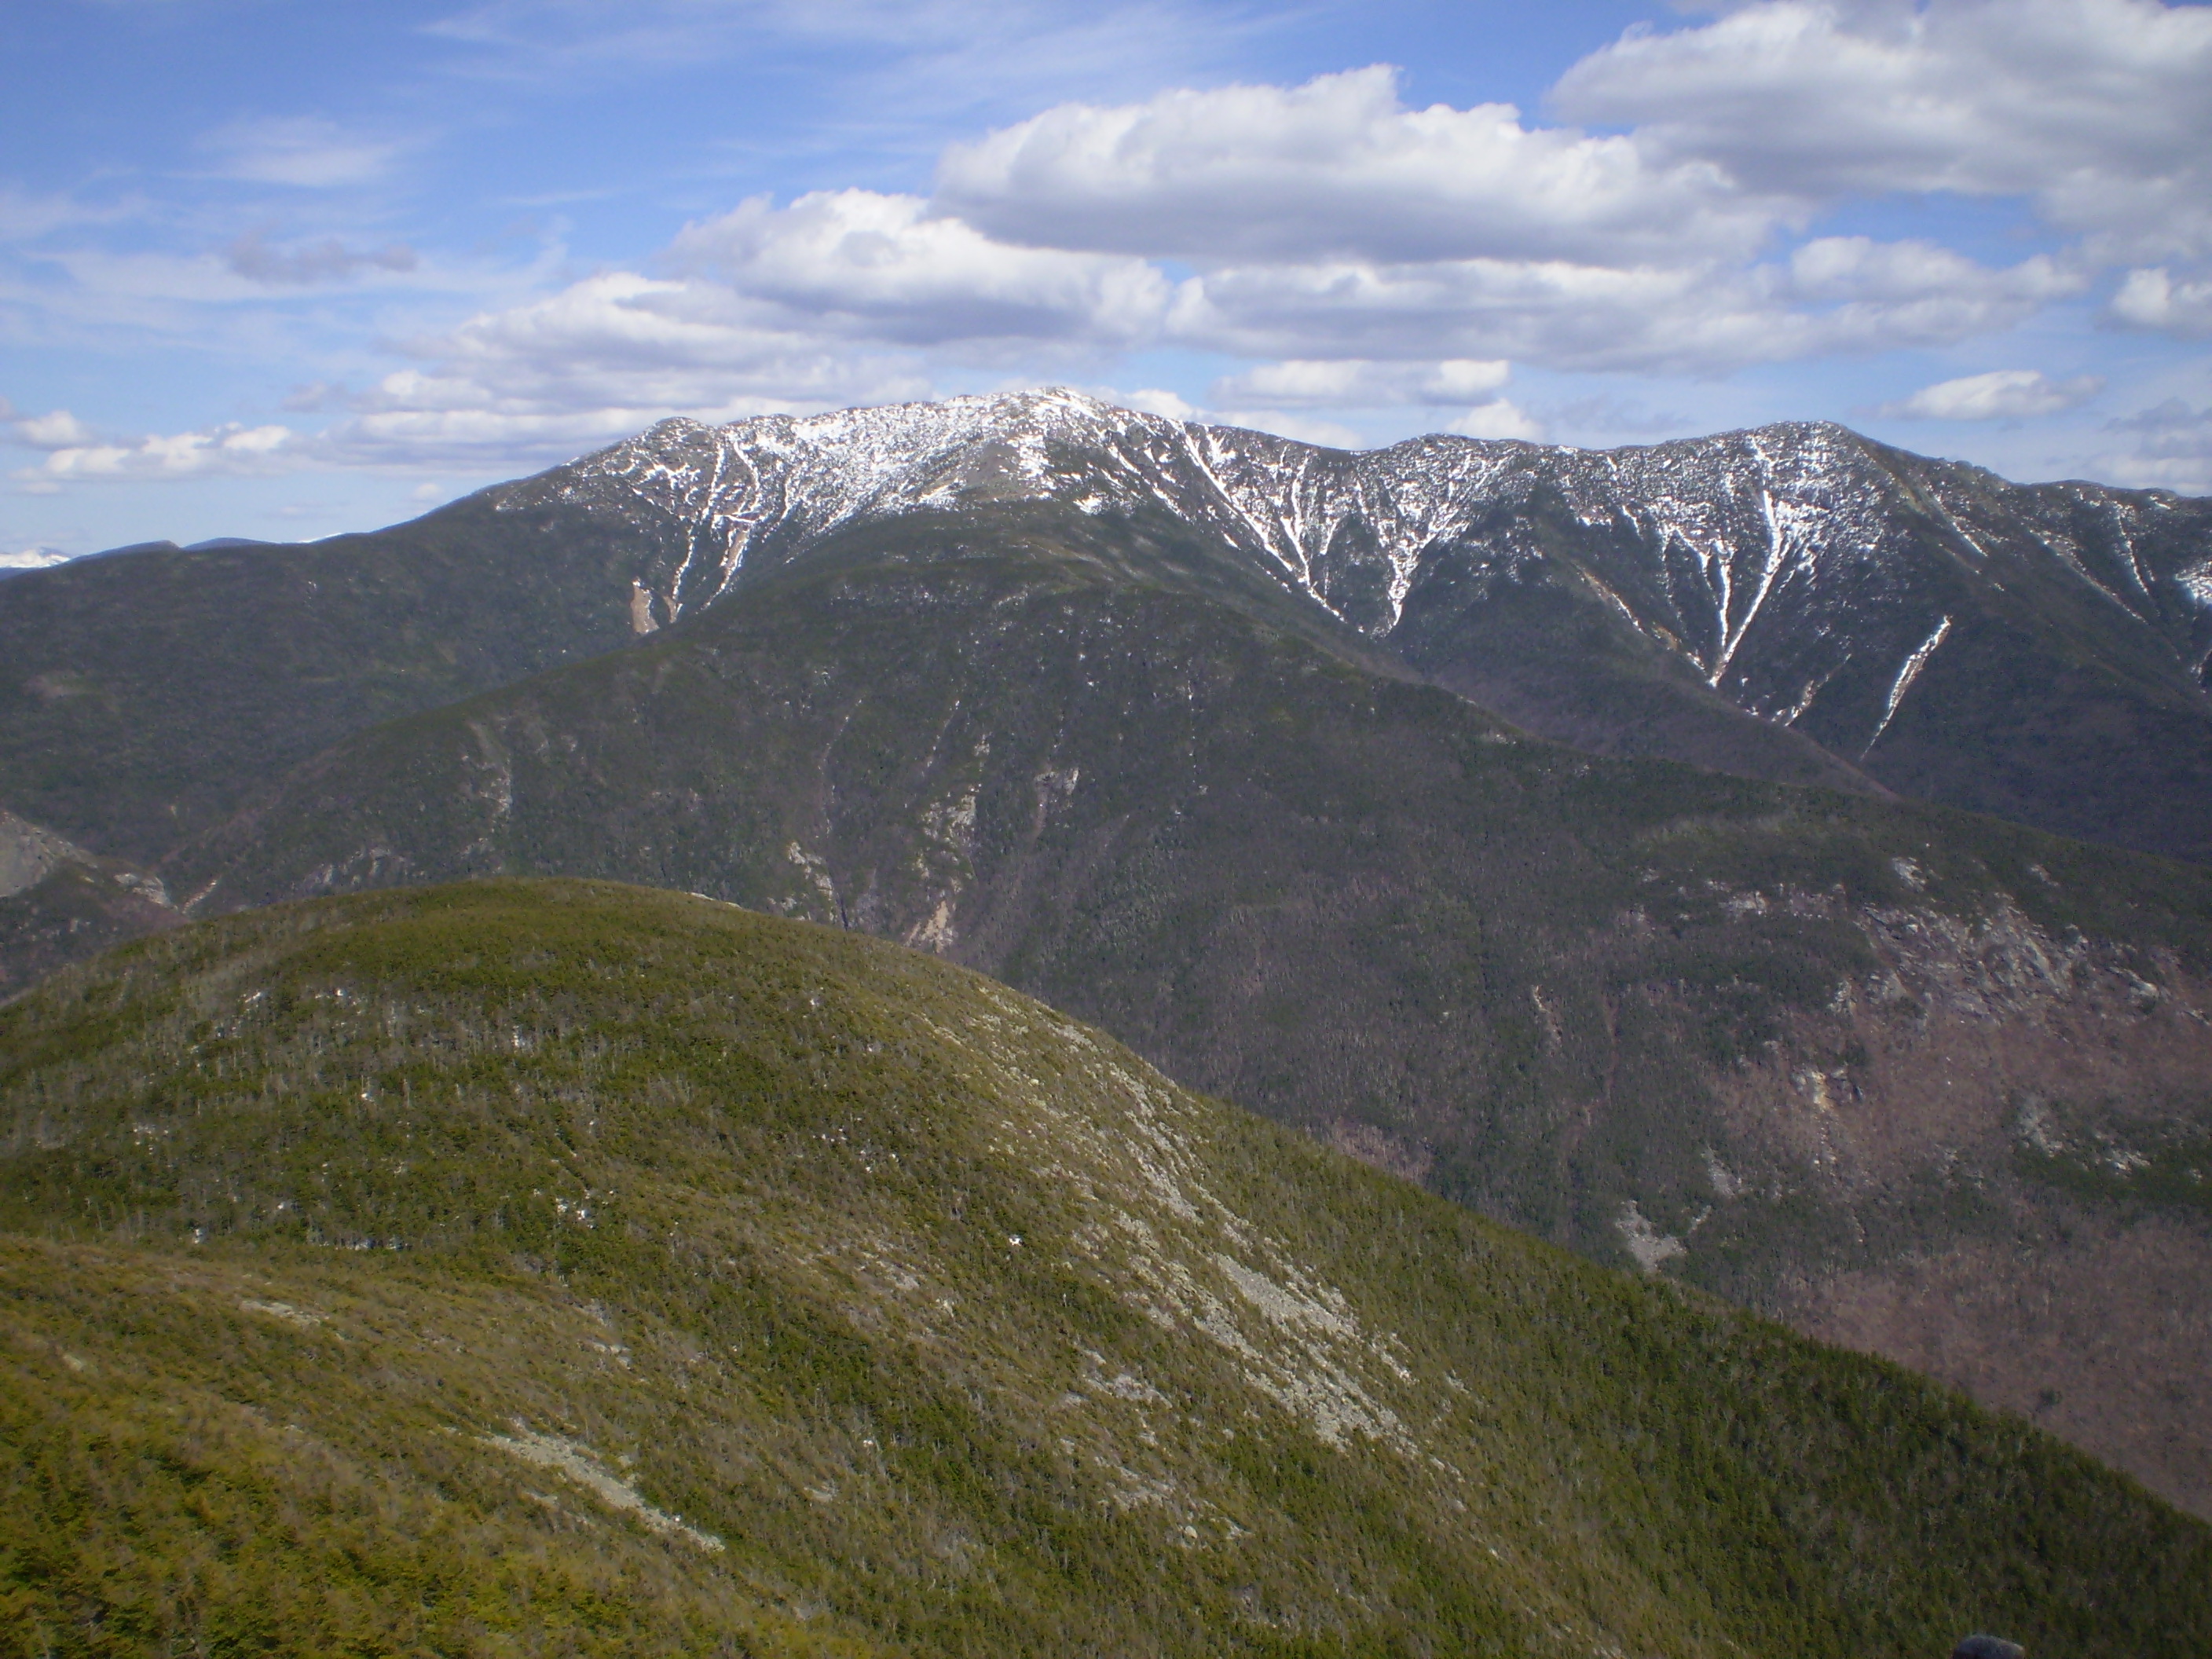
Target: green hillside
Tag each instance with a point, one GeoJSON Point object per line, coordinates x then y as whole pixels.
{"type": "Point", "coordinates": [549, 1267]}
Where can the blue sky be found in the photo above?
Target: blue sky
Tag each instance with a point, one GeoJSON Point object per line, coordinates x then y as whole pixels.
{"type": "Point", "coordinates": [277, 269]}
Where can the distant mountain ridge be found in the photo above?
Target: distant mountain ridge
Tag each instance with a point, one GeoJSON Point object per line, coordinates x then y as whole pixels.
{"type": "Point", "coordinates": [1795, 603]}
{"type": "Point", "coordinates": [2038, 652]}
{"type": "Point", "coordinates": [1737, 518]}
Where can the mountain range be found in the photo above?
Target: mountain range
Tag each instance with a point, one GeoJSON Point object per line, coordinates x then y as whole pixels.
{"type": "Point", "coordinates": [1772, 863]}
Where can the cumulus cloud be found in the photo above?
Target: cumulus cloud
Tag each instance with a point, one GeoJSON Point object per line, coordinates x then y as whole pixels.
{"type": "Point", "coordinates": [1154, 400]}
{"type": "Point", "coordinates": [1695, 320]}
{"type": "Point", "coordinates": [839, 298]}
{"type": "Point", "coordinates": [1358, 383]}
{"type": "Point", "coordinates": [1338, 166]}
{"type": "Point", "coordinates": [327, 261]}
{"type": "Point", "coordinates": [601, 358]}
{"type": "Point", "coordinates": [32, 558]}
{"type": "Point", "coordinates": [883, 265]}
{"type": "Point", "coordinates": [1498, 418]}
{"type": "Point", "coordinates": [1357, 252]}
{"type": "Point", "coordinates": [1306, 428]}
{"type": "Point", "coordinates": [2154, 299]}
{"type": "Point", "coordinates": [58, 429]}
{"type": "Point", "coordinates": [2095, 109]}
{"type": "Point", "coordinates": [229, 450]}
{"type": "Point", "coordinates": [2002, 394]}
{"type": "Point", "coordinates": [1858, 268]}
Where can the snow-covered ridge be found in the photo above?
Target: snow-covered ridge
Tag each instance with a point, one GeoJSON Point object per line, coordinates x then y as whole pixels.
{"type": "Point", "coordinates": [1719, 549]}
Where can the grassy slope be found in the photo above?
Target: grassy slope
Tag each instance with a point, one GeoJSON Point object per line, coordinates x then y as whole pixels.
{"type": "Point", "coordinates": [731, 1203]}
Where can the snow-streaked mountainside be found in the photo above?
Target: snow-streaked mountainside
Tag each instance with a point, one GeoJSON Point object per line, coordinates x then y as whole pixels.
{"type": "Point", "coordinates": [1802, 533]}
{"type": "Point", "coordinates": [1884, 620]}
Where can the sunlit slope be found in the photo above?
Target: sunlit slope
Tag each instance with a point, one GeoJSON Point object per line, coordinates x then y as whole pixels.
{"type": "Point", "coordinates": [550, 1267]}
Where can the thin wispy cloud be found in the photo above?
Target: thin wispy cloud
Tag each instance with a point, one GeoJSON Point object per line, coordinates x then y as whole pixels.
{"type": "Point", "coordinates": [304, 152]}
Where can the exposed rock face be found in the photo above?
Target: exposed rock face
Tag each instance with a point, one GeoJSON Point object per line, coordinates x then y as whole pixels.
{"type": "Point", "coordinates": [27, 853]}
{"type": "Point", "coordinates": [2012, 1126]}
{"type": "Point", "coordinates": [60, 902]}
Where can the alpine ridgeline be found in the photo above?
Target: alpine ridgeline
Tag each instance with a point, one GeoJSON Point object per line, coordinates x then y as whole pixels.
{"type": "Point", "coordinates": [572, 1269]}
{"type": "Point", "coordinates": [1133, 714]}
{"type": "Point", "coordinates": [2039, 653]}
{"type": "Point", "coordinates": [1795, 603]}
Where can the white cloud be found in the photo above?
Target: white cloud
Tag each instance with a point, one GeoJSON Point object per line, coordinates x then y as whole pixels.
{"type": "Point", "coordinates": [58, 430]}
{"type": "Point", "coordinates": [1339, 166]}
{"type": "Point", "coordinates": [26, 218]}
{"type": "Point", "coordinates": [601, 358]}
{"type": "Point", "coordinates": [839, 298]}
{"type": "Point", "coordinates": [2002, 394]}
{"type": "Point", "coordinates": [34, 558]}
{"type": "Point", "coordinates": [1357, 253]}
{"type": "Point", "coordinates": [1498, 418]}
{"type": "Point", "coordinates": [1306, 428]}
{"type": "Point", "coordinates": [2153, 299]}
{"type": "Point", "coordinates": [1154, 400]}
{"type": "Point", "coordinates": [304, 151]}
{"type": "Point", "coordinates": [2097, 110]}
{"type": "Point", "coordinates": [882, 265]}
{"type": "Point", "coordinates": [1695, 320]}
{"type": "Point", "coordinates": [231, 450]}
{"type": "Point", "coordinates": [1859, 269]}
{"type": "Point", "coordinates": [1358, 383]}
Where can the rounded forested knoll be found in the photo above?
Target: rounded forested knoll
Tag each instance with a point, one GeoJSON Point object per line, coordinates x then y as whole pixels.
{"type": "Point", "coordinates": [567, 1267]}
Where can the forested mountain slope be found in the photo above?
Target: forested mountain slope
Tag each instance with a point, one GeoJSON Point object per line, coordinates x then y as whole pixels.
{"type": "Point", "coordinates": [1823, 1053]}
{"type": "Point", "coordinates": [569, 1268]}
